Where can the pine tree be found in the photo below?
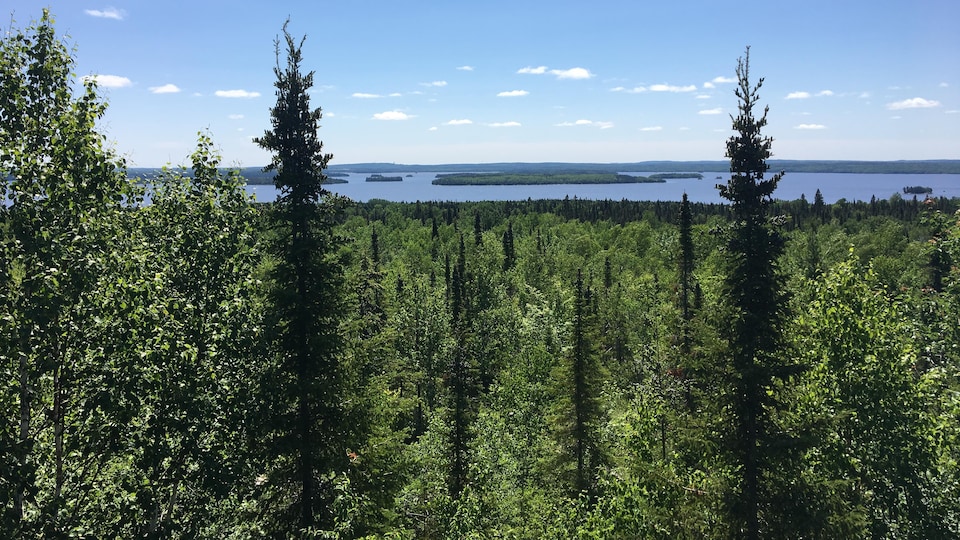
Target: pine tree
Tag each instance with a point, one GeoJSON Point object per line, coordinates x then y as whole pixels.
{"type": "Point", "coordinates": [309, 430]}
{"type": "Point", "coordinates": [686, 273]}
{"type": "Point", "coordinates": [753, 291]}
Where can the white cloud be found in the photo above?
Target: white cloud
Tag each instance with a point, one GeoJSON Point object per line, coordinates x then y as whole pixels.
{"type": "Point", "coordinates": [108, 81]}
{"type": "Point", "coordinates": [513, 93]}
{"type": "Point", "coordinates": [652, 128]}
{"type": "Point", "coordinates": [395, 94]}
{"type": "Point", "coordinates": [533, 70]}
{"type": "Point", "coordinates": [392, 115]}
{"type": "Point", "coordinates": [460, 122]}
{"type": "Point", "coordinates": [944, 85]}
{"type": "Point", "coordinates": [109, 13]}
{"type": "Point", "coordinates": [435, 83]}
{"type": "Point", "coordinates": [572, 73]}
{"type": "Point", "coordinates": [365, 95]}
{"type": "Point", "coordinates": [864, 95]}
{"type": "Point", "coordinates": [703, 96]}
{"type": "Point", "coordinates": [952, 111]}
{"type": "Point", "coordinates": [810, 126]}
{"type": "Point", "coordinates": [798, 95]}
{"type": "Point", "coordinates": [465, 68]}
{"type": "Point", "coordinates": [718, 110]}
{"type": "Point", "coordinates": [634, 90]}
{"type": "Point", "coordinates": [671, 88]}
{"type": "Point", "coordinates": [709, 85]}
{"type": "Point", "coordinates": [504, 124]}
{"type": "Point", "coordinates": [165, 89]}
{"type": "Point", "coordinates": [913, 103]}
{"type": "Point", "coordinates": [235, 117]}
{"type": "Point", "coordinates": [236, 94]}
{"type": "Point", "coordinates": [601, 125]}
{"type": "Point", "coordinates": [825, 93]}
{"type": "Point", "coordinates": [433, 128]}
{"type": "Point", "coordinates": [722, 80]}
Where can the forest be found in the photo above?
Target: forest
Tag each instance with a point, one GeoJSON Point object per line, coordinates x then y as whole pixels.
{"type": "Point", "coordinates": [206, 366]}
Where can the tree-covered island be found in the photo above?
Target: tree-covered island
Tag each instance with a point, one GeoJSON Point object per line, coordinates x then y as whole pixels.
{"type": "Point", "coordinates": [500, 179]}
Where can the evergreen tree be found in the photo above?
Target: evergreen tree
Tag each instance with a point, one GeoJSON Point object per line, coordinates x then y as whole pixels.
{"type": "Point", "coordinates": [686, 273]}
{"type": "Point", "coordinates": [579, 409]}
{"type": "Point", "coordinates": [755, 302]}
{"type": "Point", "coordinates": [309, 433]}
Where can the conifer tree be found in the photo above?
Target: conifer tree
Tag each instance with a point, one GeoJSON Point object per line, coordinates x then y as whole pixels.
{"type": "Point", "coordinates": [686, 273]}
{"type": "Point", "coordinates": [755, 302]}
{"type": "Point", "coordinates": [309, 433]}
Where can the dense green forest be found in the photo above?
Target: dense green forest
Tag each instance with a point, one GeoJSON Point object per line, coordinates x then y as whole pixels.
{"type": "Point", "coordinates": [204, 366]}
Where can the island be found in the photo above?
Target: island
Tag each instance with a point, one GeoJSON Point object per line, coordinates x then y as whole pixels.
{"type": "Point", "coordinates": [381, 178]}
{"type": "Point", "coordinates": [917, 190]}
{"type": "Point", "coordinates": [678, 175]}
{"type": "Point", "coordinates": [505, 179]}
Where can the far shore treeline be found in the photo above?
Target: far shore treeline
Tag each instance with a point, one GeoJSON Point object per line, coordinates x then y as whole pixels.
{"type": "Point", "coordinates": [336, 173]}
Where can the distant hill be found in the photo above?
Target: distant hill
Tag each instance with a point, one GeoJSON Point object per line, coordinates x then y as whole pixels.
{"type": "Point", "coordinates": [255, 175]}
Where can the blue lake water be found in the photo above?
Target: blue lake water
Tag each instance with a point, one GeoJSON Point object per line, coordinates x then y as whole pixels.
{"type": "Point", "coordinates": [833, 186]}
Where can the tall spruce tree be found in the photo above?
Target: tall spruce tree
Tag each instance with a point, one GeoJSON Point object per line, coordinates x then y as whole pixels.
{"type": "Point", "coordinates": [309, 433]}
{"type": "Point", "coordinates": [686, 273]}
{"type": "Point", "coordinates": [755, 307]}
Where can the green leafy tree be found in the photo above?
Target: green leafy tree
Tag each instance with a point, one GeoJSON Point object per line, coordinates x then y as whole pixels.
{"type": "Point", "coordinates": [311, 437]}
{"type": "Point", "coordinates": [66, 193]}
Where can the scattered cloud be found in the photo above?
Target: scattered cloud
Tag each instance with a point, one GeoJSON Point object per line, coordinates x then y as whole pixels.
{"type": "Point", "coordinates": [395, 94]}
{"type": "Point", "coordinates": [652, 128]}
{"type": "Point", "coordinates": [365, 95]}
{"type": "Point", "coordinates": [504, 124]}
{"type": "Point", "coordinates": [572, 73]}
{"type": "Point", "coordinates": [723, 80]}
{"type": "Point", "coordinates": [513, 93]}
{"type": "Point", "coordinates": [717, 110]}
{"type": "Point", "coordinates": [433, 128]}
{"type": "Point", "coordinates": [708, 85]}
{"type": "Point", "coordinates": [864, 95]}
{"type": "Point", "coordinates": [798, 95]}
{"type": "Point", "coordinates": [434, 83]}
{"type": "Point", "coordinates": [671, 88]}
{"type": "Point", "coordinates": [392, 115]}
{"type": "Point", "coordinates": [601, 125]}
{"type": "Point", "coordinates": [952, 111]}
{"type": "Point", "coordinates": [109, 13]}
{"type": "Point", "coordinates": [810, 126]}
{"type": "Point", "coordinates": [460, 122]}
{"type": "Point", "coordinates": [944, 85]}
{"type": "Point", "coordinates": [235, 117]}
{"type": "Point", "coordinates": [703, 96]}
{"type": "Point", "coordinates": [825, 93]}
{"type": "Point", "coordinates": [913, 103]}
{"type": "Point", "coordinates": [108, 81]}
{"type": "Point", "coordinates": [634, 90]}
{"type": "Point", "coordinates": [236, 94]}
{"type": "Point", "coordinates": [465, 68]}
{"type": "Point", "coordinates": [533, 70]}
{"type": "Point", "coordinates": [165, 89]}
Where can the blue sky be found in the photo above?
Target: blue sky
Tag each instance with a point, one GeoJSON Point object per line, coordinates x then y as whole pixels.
{"type": "Point", "coordinates": [524, 80]}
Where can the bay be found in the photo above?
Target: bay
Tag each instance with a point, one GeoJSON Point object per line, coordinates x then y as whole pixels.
{"type": "Point", "coordinates": [833, 187]}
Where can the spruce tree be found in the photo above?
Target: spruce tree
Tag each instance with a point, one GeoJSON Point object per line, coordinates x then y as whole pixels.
{"type": "Point", "coordinates": [686, 273]}
{"type": "Point", "coordinates": [308, 433]}
{"type": "Point", "coordinates": [754, 294]}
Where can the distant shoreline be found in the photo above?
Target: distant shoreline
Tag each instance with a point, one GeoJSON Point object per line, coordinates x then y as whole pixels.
{"type": "Point", "coordinates": [336, 172]}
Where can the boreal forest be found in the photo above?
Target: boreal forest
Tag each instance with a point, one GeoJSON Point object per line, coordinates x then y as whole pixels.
{"type": "Point", "coordinates": [180, 361]}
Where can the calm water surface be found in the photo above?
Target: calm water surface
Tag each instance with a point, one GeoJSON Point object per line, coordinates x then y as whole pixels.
{"type": "Point", "coordinates": [833, 186]}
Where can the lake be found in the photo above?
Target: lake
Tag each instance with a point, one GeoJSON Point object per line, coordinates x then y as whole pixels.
{"type": "Point", "coordinates": [833, 186]}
